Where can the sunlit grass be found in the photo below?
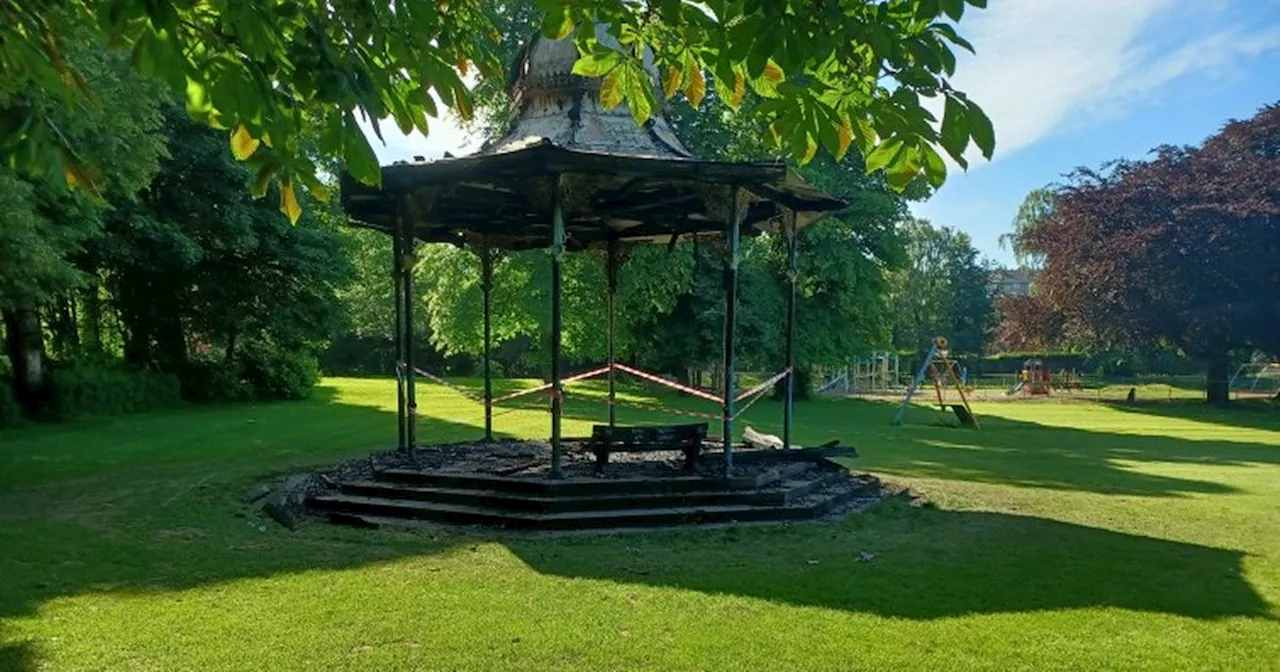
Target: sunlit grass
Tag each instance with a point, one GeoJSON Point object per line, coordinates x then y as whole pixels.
{"type": "Point", "coordinates": [1067, 536]}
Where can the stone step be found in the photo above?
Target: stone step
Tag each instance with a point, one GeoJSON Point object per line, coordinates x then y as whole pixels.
{"type": "Point", "coordinates": [541, 503]}
{"type": "Point", "coordinates": [586, 486]}
{"type": "Point", "coordinates": [356, 506]}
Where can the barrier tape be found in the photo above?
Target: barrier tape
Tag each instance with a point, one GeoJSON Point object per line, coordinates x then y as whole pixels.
{"type": "Point", "coordinates": [762, 386]}
{"type": "Point", "coordinates": [460, 390]}
{"type": "Point", "coordinates": [663, 381]}
{"type": "Point", "coordinates": [480, 398]}
{"type": "Point", "coordinates": [665, 409]}
{"type": "Point", "coordinates": [546, 386]}
{"type": "Point", "coordinates": [747, 405]}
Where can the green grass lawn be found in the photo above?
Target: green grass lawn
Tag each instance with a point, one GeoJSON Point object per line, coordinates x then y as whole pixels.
{"type": "Point", "coordinates": [1066, 536]}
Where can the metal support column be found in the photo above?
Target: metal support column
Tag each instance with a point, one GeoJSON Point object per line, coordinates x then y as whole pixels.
{"type": "Point", "coordinates": [788, 405]}
{"type": "Point", "coordinates": [397, 279]}
{"type": "Point", "coordinates": [733, 236]}
{"type": "Point", "coordinates": [611, 274]}
{"type": "Point", "coordinates": [557, 386]}
{"type": "Point", "coordinates": [486, 287]}
{"type": "Point", "coordinates": [411, 397]}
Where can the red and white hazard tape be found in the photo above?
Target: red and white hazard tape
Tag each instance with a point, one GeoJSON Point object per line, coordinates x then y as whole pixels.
{"type": "Point", "coordinates": [546, 386]}
{"type": "Point", "coordinates": [762, 386]}
{"type": "Point", "coordinates": [665, 409]}
{"type": "Point", "coordinates": [663, 381]}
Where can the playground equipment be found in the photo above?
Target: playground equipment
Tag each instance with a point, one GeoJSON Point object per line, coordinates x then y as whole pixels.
{"type": "Point", "coordinates": [939, 366]}
{"type": "Point", "coordinates": [1256, 378]}
{"type": "Point", "coordinates": [1036, 379]}
{"type": "Point", "coordinates": [878, 372]}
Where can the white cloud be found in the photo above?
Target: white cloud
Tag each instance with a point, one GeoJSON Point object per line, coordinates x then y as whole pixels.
{"type": "Point", "coordinates": [1046, 65]}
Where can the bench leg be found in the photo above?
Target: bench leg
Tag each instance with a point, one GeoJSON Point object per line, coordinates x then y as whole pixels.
{"type": "Point", "coordinates": [602, 458]}
{"type": "Point", "coordinates": [690, 458]}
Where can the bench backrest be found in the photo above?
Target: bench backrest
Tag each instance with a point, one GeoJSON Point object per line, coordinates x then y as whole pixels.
{"type": "Point", "coordinates": [657, 436]}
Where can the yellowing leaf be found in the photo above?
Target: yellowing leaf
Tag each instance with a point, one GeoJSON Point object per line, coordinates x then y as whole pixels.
{"type": "Point", "coordinates": [319, 193]}
{"type": "Point", "coordinates": [739, 89]}
{"type": "Point", "coordinates": [461, 104]}
{"type": "Point", "coordinates": [265, 173]}
{"type": "Point", "coordinates": [773, 73]}
{"type": "Point", "coordinates": [695, 88]}
{"type": "Point", "coordinates": [243, 145]}
{"type": "Point", "coordinates": [289, 203]}
{"type": "Point", "coordinates": [845, 131]}
{"type": "Point", "coordinates": [611, 89]}
{"type": "Point", "coordinates": [810, 150]}
{"type": "Point", "coordinates": [462, 66]}
{"type": "Point", "coordinates": [671, 79]}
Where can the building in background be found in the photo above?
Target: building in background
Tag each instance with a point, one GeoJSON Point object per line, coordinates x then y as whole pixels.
{"type": "Point", "coordinates": [1012, 281]}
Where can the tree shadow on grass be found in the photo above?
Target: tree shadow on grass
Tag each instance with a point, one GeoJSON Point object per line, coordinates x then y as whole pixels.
{"type": "Point", "coordinates": [1004, 451]}
{"type": "Point", "coordinates": [926, 564]}
{"type": "Point", "coordinates": [150, 524]}
{"type": "Point", "coordinates": [17, 657]}
{"type": "Point", "coordinates": [1246, 413]}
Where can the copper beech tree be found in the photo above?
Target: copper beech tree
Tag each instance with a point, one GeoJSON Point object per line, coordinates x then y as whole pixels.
{"type": "Point", "coordinates": [1182, 248]}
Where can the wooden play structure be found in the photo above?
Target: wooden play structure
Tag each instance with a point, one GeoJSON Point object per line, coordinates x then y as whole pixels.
{"type": "Point", "coordinates": [941, 369]}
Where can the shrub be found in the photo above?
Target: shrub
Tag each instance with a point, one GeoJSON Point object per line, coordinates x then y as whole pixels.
{"type": "Point", "coordinates": [90, 390]}
{"type": "Point", "coordinates": [273, 372]}
{"type": "Point", "coordinates": [207, 380]}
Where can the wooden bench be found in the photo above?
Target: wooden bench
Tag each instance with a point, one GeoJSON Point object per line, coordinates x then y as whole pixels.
{"type": "Point", "coordinates": [684, 438]}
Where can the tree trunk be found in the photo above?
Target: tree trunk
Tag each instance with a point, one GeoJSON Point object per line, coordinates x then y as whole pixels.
{"type": "Point", "coordinates": [25, 347]}
{"type": "Point", "coordinates": [93, 317]}
{"type": "Point", "coordinates": [1217, 379]}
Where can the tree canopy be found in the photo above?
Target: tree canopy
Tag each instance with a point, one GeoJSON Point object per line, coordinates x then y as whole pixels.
{"type": "Point", "coordinates": [1183, 247]}
{"type": "Point", "coordinates": [942, 291]}
{"type": "Point", "coordinates": [288, 79]}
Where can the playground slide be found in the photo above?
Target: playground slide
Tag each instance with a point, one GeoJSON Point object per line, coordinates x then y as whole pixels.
{"type": "Point", "coordinates": [1015, 389]}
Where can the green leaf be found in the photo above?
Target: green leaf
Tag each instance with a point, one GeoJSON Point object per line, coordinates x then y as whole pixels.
{"type": "Point", "coordinates": [362, 163]}
{"type": "Point", "coordinates": [955, 134]}
{"type": "Point", "coordinates": [949, 32]}
{"type": "Point", "coordinates": [638, 91]}
{"type": "Point", "coordinates": [904, 168]}
{"type": "Point", "coordinates": [953, 8]}
{"type": "Point", "coordinates": [596, 64]}
{"type": "Point", "coordinates": [935, 169]}
{"type": "Point", "coordinates": [558, 26]}
{"type": "Point", "coordinates": [884, 154]}
{"type": "Point", "coordinates": [984, 136]}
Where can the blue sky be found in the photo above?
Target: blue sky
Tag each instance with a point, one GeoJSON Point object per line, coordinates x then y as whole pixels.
{"type": "Point", "coordinates": [1069, 83]}
{"type": "Point", "coordinates": [1072, 83]}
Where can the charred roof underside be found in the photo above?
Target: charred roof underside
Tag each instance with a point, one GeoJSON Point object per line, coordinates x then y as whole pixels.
{"type": "Point", "coordinates": [614, 180]}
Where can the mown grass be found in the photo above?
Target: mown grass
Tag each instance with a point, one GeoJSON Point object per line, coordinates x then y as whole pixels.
{"type": "Point", "coordinates": [1066, 536]}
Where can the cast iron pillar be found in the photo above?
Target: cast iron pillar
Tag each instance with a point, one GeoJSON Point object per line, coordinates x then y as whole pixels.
{"type": "Point", "coordinates": [557, 386]}
{"type": "Point", "coordinates": [486, 287]}
{"type": "Point", "coordinates": [611, 271]}
{"type": "Point", "coordinates": [733, 236]}
{"type": "Point", "coordinates": [397, 277]}
{"type": "Point", "coordinates": [788, 403]}
{"type": "Point", "coordinates": [411, 398]}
